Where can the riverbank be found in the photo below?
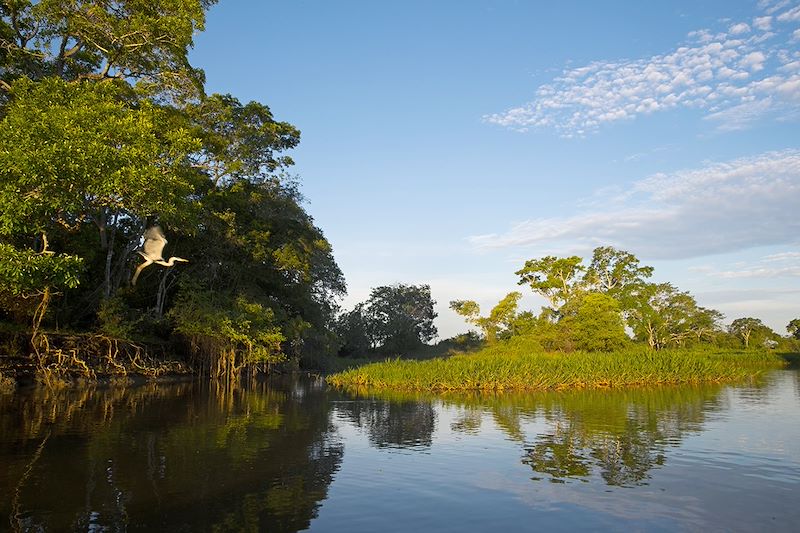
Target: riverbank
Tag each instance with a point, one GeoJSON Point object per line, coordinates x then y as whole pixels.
{"type": "Point", "coordinates": [515, 365]}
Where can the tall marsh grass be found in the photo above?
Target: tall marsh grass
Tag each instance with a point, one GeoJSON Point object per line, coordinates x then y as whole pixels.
{"type": "Point", "coordinates": [516, 365]}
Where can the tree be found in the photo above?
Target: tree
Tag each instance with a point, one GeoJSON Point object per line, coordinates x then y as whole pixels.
{"type": "Point", "coordinates": [258, 243]}
{"type": "Point", "coordinates": [104, 130]}
{"type": "Point", "coordinates": [400, 317]}
{"type": "Point", "coordinates": [75, 154]}
{"type": "Point", "coordinates": [615, 272]}
{"type": "Point", "coordinates": [794, 328]}
{"type": "Point", "coordinates": [704, 322]}
{"type": "Point", "coordinates": [351, 329]}
{"type": "Point", "coordinates": [552, 277]}
{"type": "Point", "coordinates": [29, 279]}
{"type": "Point", "coordinates": [592, 321]}
{"type": "Point", "coordinates": [748, 329]}
{"type": "Point", "coordinates": [661, 315]}
{"type": "Point", "coordinates": [123, 40]}
{"type": "Point", "coordinates": [497, 322]}
{"type": "Point", "coordinates": [239, 142]}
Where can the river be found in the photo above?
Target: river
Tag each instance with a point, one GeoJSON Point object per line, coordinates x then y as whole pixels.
{"type": "Point", "coordinates": [293, 454]}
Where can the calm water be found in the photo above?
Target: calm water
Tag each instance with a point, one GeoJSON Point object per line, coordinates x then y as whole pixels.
{"type": "Point", "coordinates": [292, 455]}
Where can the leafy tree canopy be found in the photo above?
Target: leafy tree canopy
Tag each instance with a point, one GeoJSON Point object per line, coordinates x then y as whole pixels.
{"type": "Point", "coordinates": [794, 328]}
{"type": "Point", "coordinates": [75, 152]}
{"type": "Point", "coordinates": [499, 319]}
{"type": "Point", "coordinates": [145, 40]}
{"type": "Point", "coordinates": [552, 277]}
{"type": "Point", "coordinates": [400, 317]}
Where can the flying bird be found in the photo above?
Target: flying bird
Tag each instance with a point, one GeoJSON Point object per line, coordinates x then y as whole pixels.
{"type": "Point", "coordinates": [152, 250]}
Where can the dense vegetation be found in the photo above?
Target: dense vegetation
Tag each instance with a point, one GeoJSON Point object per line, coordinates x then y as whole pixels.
{"type": "Point", "coordinates": [107, 136]}
{"type": "Point", "coordinates": [105, 131]}
{"type": "Point", "coordinates": [519, 364]}
{"type": "Point", "coordinates": [605, 325]}
{"type": "Point", "coordinates": [609, 305]}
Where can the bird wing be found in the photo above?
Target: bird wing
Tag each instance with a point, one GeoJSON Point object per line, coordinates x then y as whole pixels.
{"type": "Point", "coordinates": [154, 242]}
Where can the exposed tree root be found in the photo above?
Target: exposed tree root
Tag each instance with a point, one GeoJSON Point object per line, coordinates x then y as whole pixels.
{"type": "Point", "coordinates": [62, 359]}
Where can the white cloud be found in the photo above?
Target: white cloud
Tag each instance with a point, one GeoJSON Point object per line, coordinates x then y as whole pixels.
{"type": "Point", "coordinates": [721, 207]}
{"type": "Point", "coordinates": [762, 23]}
{"type": "Point", "coordinates": [781, 265]}
{"type": "Point", "coordinates": [753, 61]}
{"type": "Point", "coordinates": [714, 72]}
{"type": "Point", "coordinates": [783, 256]}
{"type": "Point", "coordinates": [771, 7]}
{"type": "Point", "coordinates": [738, 29]}
{"type": "Point", "coordinates": [792, 15]}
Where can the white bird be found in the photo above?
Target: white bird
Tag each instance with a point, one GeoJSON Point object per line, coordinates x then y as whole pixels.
{"type": "Point", "coordinates": [154, 242]}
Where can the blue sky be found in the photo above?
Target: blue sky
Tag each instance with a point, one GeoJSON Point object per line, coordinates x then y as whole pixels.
{"type": "Point", "coordinates": [447, 142]}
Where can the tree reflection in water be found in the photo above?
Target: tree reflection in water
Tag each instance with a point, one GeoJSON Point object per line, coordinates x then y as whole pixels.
{"type": "Point", "coordinates": [167, 458]}
{"type": "Point", "coordinates": [619, 436]}
{"type": "Point", "coordinates": [401, 422]}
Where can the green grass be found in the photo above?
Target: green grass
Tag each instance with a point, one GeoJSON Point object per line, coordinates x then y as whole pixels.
{"type": "Point", "coordinates": [515, 365]}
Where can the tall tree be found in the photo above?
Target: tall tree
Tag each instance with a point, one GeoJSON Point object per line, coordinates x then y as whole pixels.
{"type": "Point", "coordinates": [499, 319]}
{"type": "Point", "coordinates": [239, 141]}
{"type": "Point", "coordinates": [139, 40]}
{"type": "Point", "coordinates": [552, 277]}
{"type": "Point", "coordinates": [744, 328]}
{"type": "Point", "coordinates": [592, 322]}
{"type": "Point", "coordinates": [105, 129]}
{"type": "Point", "coordinates": [400, 317]}
{"type": "Point", "coordinates": [793, 327]}
{"type": "Point", "coordinates": [78, 154]}
{"type": "Point", "coordinates": [615, 272]}
{"type": "Point", "coordinates": [258, 244]}
{"type": "Point", "coordinates": [662, 315]}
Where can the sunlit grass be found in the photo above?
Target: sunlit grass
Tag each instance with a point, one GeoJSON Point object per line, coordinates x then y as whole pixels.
{"type": "Point", "coordinates": [514, 365]}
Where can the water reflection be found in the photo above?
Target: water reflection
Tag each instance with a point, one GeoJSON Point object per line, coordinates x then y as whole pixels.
{"type": "Point", "coordinates": [169, 458]}
{"type": "Point", "coordinates": [398, 422]}
{"type": "Point", "coordinates": [618, 436]}
{"type": "Point", "coordinates": [269, 457]}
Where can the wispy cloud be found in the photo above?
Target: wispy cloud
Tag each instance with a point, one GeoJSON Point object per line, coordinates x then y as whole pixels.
{"type": "Point", "coordinates": [721, 207]}
{"type": "Point", "coordinates": [735, 76]}
{"type": "Point", "coordinates": [782, 265]}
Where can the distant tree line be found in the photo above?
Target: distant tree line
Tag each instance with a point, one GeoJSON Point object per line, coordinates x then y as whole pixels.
{"type": "Point", "coordinates": [602, 306]}
{"type": "Point", "coordinates": [608, 303]}
{"type": "Point", "coordinates": [395, 319]}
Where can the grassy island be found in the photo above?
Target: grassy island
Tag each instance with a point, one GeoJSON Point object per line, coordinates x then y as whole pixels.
{"type": "Point", "coordinates": [516, 365]}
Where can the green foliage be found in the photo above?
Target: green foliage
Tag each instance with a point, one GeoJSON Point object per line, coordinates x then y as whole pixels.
{"type": "Point", "coordinates": [592, 322]}
{"type": "Point", "coordinates": [590, 307]}
{"type": "Point", "coordinates": [612, 270]}
{"type": "Point", "coordinates": [116, 319]}
{"type": "Point", "coordinates": [616, 273]}
{"type": "Point", "coordinates": [752, 332]}
{"type": "Point", "coordinates": [351, 329]}
{"type": "Point", "coordinates": [28, 278]}
{"type": "Point", "coordinates": [519, 364]}
{"type": "Point", "coordinates": [240, 141]}
{"type": "Point", "coordinates": [793, 327]}
{"type": "Point", "coordinates": [25, 272]}
{"type": "Point", "coordinates": [218, 325]}
{"type": "Point", "coordinates": [399, 318]}
{"type": "Point", "coordinates": [499, 319]}
{"type": "Point", "coordinates": [145, 40]}
{"type": "Point", "coordinates": [71, 152]}
{"type": "Point", "coordinates": [257, 240]}
{"type": "Point", "coordinates": [552, 277]}
{"type": "Point", "coordinates": [104, 131]}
